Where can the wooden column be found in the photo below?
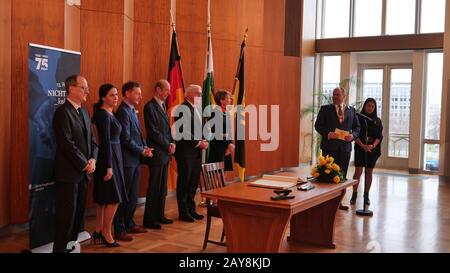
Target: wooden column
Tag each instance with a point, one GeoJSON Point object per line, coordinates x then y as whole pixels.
{"type": "Point", "coordinates": [33, 21]}
{"type": "Point", "coordinates": [5, 110]}
{"type": "Point", "coordinates": [151, 55]}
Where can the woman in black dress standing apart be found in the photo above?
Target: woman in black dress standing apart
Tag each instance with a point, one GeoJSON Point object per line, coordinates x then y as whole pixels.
{"type": "Point", "coordinates": [109, 185]}
{"type": "Point", "coordinates": [372, 148]}
{"type": "Point", "coordinates": [221, 146]}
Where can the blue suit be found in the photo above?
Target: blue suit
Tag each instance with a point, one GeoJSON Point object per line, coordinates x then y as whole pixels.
{"type": "Point", "coordinates": [132, 143]}
{"type": "Point", "coordinates": [327, 121]}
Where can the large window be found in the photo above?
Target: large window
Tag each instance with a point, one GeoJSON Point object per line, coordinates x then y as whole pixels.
{"type": "Point", "coordinates": [336, 18]}
{"type": "Point", "coordinates": [400, 17]}
{"type": "Point", "coordinates": [331, 76]}
{"type": "Point", "coordinates": [367, 19]}
{"type": "Point", "coordinates": [433, 110]}
{"type": "Point", "coordinates": [432, 18]}
{"type": "Point", "coordinates": [355, 18]}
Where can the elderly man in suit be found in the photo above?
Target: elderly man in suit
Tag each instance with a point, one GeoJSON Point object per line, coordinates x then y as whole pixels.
{"type": "Point", "coordinates": [160, 140]}
{"type": "Point", "coordinates": [337, 116]}
{"type": "Point", "coordinates": [134, 149]}
{"type": "Point", "coordinates": [76, 153]}
{"type": "Point", "coordinates": [190, 143]}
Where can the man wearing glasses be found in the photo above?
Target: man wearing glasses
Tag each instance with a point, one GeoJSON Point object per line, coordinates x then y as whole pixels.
{"type": "Point", "coordinates": [76, 153]}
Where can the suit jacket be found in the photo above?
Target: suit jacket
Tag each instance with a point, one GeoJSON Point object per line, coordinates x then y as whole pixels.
{"type": "Point", "coordinates": [327, 121]}
{"type": "Point", "coordinates": [158, 133]}
{"type": "Point", "coordinates": [74, 147]}
{"type": "Point", "coordinates": [131, 139]}
{"type": "Point", "coordinates": [187, 145]}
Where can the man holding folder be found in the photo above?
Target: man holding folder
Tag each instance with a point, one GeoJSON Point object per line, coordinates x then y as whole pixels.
{"type": "Point", "coordinates": [338, 125]}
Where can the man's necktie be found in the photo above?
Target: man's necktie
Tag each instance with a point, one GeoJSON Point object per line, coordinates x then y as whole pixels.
{"type": "Point", "coordinates": [340, 114]}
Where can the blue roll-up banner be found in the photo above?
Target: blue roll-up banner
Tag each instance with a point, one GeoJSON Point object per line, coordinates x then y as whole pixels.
{"type": "Point", "coordinates": [48, 68]}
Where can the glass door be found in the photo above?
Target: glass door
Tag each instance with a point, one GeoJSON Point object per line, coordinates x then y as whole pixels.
{"type": "Point", "coordinates": [390, 86]}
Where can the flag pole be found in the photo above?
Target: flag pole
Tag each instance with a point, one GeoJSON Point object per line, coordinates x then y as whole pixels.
{"type": "Point", "coordinates": [240, 60]}
{"type": "Point", "coordinates": [172, 24]}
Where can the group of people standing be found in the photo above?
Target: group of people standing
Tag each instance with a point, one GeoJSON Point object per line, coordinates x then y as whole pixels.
{"type": "Point", "coordinates": [365, 128]}
{"type": "Point", "coordinates": [114, 161]}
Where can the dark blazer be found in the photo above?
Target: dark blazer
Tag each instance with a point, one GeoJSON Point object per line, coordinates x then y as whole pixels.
{"type": "Point", "coordinates": [187, 147]}
{"type": "Point", "coordinates": [74, 147]}
{"type": "Point", "coordinates": [217, 146]}
{"type": "Point", "coordinates": [327, 121]}
{"type": "Point", "coordinates": [158, 132]}
{"type": "Point", "coordinates": [131, 138]}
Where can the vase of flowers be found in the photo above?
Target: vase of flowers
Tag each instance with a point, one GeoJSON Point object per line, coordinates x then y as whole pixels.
{"type": "Point", "coordinates": [327, 170]}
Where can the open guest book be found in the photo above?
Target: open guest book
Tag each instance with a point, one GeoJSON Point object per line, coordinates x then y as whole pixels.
{"type": "Point", "coordinates": [277, 182]}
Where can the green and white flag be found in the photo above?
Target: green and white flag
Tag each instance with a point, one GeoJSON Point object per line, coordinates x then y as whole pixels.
{"type": "Point", "coordinates": [208, 86]}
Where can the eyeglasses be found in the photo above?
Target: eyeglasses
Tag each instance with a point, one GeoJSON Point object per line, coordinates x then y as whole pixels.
{"type": "Point", "coordinates": [85, 88]}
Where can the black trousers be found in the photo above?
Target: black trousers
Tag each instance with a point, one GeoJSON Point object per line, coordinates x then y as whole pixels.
{"type": "Point", "coordinates": [70, 204]}
{"type": "Point", "coordinates": [156, 194]}
{"type": "Point", "coordinates": [123, 220]}
{"type": "Point", "coordinates": [187, 183]}
{"type": "Point", "coordinates": [341, 157]}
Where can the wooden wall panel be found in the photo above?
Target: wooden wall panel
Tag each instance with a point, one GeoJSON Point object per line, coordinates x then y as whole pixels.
{"type": "Point", "coordinates": [28, 26]}
{"type": "Point", "coordinates": [72, 16]}
{"type": "Point", "coordinates": [128, 48]}
{"type": "Point", "coordinates": [224, 19]}
{"type": "Point", "coordinates": [5, 110]}
{"type": "Point", "coordinates": [251, 16]}
{"type": "Point", "coordinates": [155, 11]}
{"type": "Point", "coordinates": [191, 15]}
{"type": "Point", "coordinates": [274, 13]}
{"type": "Point", "coordinates": [102, 50]}
{"type": "Point", "coordinates": [110, 6]}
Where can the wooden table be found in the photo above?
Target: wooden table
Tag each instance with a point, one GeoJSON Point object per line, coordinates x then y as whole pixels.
{"type": "Point", "coordinates": [255, 223]}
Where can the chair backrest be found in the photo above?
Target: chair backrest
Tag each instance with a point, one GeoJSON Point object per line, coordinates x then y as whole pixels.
{"type": "Point", "coordinates": [213, 176]}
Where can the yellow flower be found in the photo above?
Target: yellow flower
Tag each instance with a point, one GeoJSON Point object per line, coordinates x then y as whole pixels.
{"type": "Point", "coordinates": [321, 158]}
{"type": "Point", "coordinates": [336, 179]}
{"type": "Point", "coordinates": [327, 171]}
{"type": "Point", "coordinates": [335, 167]}
{"type": "Point", "coordinates": [329, 166]}
{"type": "Point", "coordinates": [330, 159]}
{"type": "Point", "coordinates": [316, 175]}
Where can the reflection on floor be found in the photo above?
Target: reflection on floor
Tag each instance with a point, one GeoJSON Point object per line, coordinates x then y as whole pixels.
{"type": "Point", "coordinates": [411, 214]}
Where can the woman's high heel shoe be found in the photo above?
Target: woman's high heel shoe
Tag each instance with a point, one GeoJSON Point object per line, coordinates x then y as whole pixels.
{"type": "Point", "coordinates": [97, 238]}
{"type": "Point", "coordinates": [107, 244]}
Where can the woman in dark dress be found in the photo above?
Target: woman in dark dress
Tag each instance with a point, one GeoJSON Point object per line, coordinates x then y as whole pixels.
{"type": "Point", "coordinates": [221, 146]}
{"type": "Point", "coordinates": [372, 148]}
{"type": "Point", "coordinates": [109, 185]}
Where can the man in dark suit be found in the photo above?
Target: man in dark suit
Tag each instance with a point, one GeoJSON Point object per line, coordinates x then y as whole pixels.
{"type": "Point", "coordinates": [190, 143]}
{"type": "Point", "coordinates": [76, 153]}
{"type": "Point", "coordinates": [160, 140]}
{"type": "Point", "coordinates": [337, 116]}
{"type": "Point", "coordinates": [134, 149]}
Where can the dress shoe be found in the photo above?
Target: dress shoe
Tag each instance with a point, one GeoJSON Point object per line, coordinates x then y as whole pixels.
{"type": "Point", "coordinates": [196, 216]}
{"type": "Point", "coordinates": [165, 220]}
{"type": "Point", "coordinates": [186, 218]}
{"type": "Point", "coordinates": [136, 229]}
{"type": "Point", "coordinates": [123, 236]}
{"type": "Point", "coordinates": [342, 207]}
{"type": "Point", "coordinates": [113, 244]}
{"type": "Point", "coordinates": [353, 199]}
{"type": "Point", "coordinates": [152, 226]}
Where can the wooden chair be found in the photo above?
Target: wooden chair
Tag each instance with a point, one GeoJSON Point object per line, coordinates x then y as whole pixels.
{"type": "Point", "coordinates": [213, 178]}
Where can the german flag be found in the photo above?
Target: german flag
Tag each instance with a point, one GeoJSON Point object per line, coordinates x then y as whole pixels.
{"type": "Point", "coordinates": [239, 100]}
{"type": "Point", "coordinates": [176, 97]}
